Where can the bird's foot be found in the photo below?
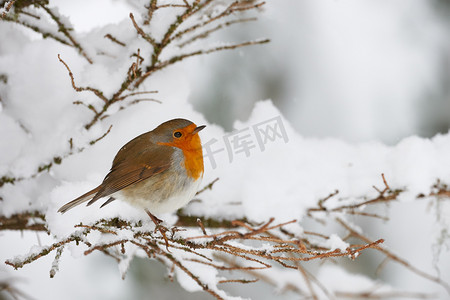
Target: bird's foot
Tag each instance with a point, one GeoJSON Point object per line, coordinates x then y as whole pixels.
{"type": "Point", "coordinates": [158, 227]}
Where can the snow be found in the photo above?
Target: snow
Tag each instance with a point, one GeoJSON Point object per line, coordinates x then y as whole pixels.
{"type": "Point", "coordinates": [335, 242]}
{"type": "Point", "coordinates": [84, 20]}
{"type": "Point", "coordinates": [278, 176]}
{"type": "Point", "coordinates": [338, 279]}
{"type": "Point", "coordinates": [305, 170]}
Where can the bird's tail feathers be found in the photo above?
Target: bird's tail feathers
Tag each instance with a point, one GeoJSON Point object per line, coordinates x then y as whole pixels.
{"type": "Point", "coordinates": [83, 198]}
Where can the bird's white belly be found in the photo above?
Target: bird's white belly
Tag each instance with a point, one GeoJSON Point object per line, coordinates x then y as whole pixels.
{"type": "Point", "coordinates": [156, 204]}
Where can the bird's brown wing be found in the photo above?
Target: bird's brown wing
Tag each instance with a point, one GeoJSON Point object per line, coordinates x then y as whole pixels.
{"type": "Point", "coordinates": [125, 176]}
{"type": "Point", "coordinates": [134, 163]}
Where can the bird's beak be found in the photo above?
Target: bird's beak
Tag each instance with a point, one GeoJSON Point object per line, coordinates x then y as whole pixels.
{"type": "Point", "coordinates": [197, 129]}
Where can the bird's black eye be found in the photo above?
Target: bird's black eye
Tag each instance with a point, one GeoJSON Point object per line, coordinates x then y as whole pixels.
{"type": "Point", "coordinates": [177, 134]}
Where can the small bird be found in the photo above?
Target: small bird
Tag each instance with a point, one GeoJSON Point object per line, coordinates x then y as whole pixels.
{"type": "Point", "coordinates": [159, 170]}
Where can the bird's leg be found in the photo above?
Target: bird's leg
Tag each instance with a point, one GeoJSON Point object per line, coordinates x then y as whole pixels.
{"type": "Point", "coordinates": [154, 218]}
{"type": "Point", "coordinates": [159, 227]}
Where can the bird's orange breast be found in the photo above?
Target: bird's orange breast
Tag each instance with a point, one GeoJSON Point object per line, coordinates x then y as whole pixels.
{"type": "Point", "coordinates": [193, 158]}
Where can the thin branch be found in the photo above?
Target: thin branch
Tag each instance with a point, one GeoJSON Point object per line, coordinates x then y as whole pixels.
{"type": "Point", "coordinates": [179, 58]}
{"type": "Point", "coordinates": [39, 30]}
{"type": "Point", "coordinates": [150, 10]}
{"type": "Point", "coordinates": [103, 247]}
{"type": "Point", "coordinates": [56, 160]}
{"type": "Point", "coordinates": [93, 142]}
{"type": "Point", "coordinates": [195, 278]}
{"type": "Point", "coordinates": [137, 93]}
{"type": "Point", "coordinates": [199, 222]}
{"type": "Point", "coordinates": [173, 5]}
{"type": "Point", "coordinates": [97, 92]}
{"type": "Point", "coordinates": [244, 281]}
{"type": "Point", "coordinates": [384, 196]}
{"type": "Point", "coordinates": [115, 40]}
{"type": "Point", "coordinates": [394, 257]}
{"type": "Point", "coordinates": [208, 32]}
{"type": "Point", "coordinates": [308, 281]}
{"type": "Point", "coordinates": [233, 7]}
{"type": "Point", "coordinates": [141, 32]}
{"type": "Point", "coordinates": [65, 31]}
{"type": "Point", "coordinates": [207, 187]}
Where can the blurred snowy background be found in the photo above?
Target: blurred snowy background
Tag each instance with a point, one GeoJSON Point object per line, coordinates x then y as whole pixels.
{"type": "Point", "coordinates": [357, 70]}
{"type": "Point", "coordinates": [353, 79]}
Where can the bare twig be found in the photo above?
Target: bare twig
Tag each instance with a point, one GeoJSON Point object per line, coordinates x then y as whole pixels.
{"type": "Point", "coordinates": [179, 58]}
{"type": "Point", "coordinates": [141, 32]}
{"type": "Point", "coordinates": [150, 10]}
{"type": "Point", "coordinates": [394, 257]}
{"type": "Point", "coordinates": [238, 281]}
{"type": "Point", "coordinates": [233, 7]}
{"type": "Point", "coordinates": [208, 187]}
{"type": "Point", "coordinates": [65, 31]}
{"type": "Point", "coordinates": [100, 138]}
{"type": "Point", "coordinates": [37, 29]}
{"type": "Point", "coordinates": [199, 222]}
{"type": "Point", "coordinates": [114, 40]}
{"type": "Point", "coordinates": [384, 196]}
{"type": "Point", "coordinates": [207, 33]}
{"type": "Point", "coordinates": [97, 92]}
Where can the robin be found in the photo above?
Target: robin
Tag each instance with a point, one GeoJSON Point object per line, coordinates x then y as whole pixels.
{"type": "Point", "coordinates": [159, 171]}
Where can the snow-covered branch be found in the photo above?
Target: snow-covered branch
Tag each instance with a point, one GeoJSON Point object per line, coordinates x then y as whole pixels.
{"type": "Point", "coordinates": [234, 246]}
